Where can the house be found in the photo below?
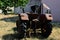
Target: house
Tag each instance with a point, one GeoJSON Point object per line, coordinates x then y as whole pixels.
{"type": "Point", "coordinates": [54, 5]}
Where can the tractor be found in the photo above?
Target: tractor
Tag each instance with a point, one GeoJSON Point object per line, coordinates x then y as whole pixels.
{"type": "Point", "coordinates": [35, 23]}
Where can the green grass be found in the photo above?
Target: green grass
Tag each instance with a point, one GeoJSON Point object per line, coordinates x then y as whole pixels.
{"type": "Point", "coordinates": [8, 23]}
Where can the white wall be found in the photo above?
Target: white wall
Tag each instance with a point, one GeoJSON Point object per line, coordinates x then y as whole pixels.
{"type": "Point", "coordinates": [0, 11]}
{"type": "Point", "coordinates": [12, 8]}
{"type": "Point", "coordinates": [55, 8]}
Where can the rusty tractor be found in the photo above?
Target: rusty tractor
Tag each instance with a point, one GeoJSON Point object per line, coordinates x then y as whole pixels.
{"type": "Point", "coordinates": [34, 24]}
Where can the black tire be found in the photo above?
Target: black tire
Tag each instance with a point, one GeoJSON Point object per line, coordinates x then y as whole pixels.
{"type": "Point", "coordinates": [46, 30]}
{"type": "Point", "coordinates": [18, 23]}
{"type": "Point", "coordinates": [20, 29]}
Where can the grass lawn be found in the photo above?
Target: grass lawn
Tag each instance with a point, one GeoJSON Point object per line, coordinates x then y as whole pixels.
{"type": "Point", "coordinates": [8, 23]}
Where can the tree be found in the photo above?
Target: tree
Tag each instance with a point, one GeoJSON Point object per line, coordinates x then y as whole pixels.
{"type": "Point", "coordinates": [7, 3]}
{"type": "Point", "coordinates": [11, 3]}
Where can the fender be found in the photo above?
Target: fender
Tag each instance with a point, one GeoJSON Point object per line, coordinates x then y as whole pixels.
{"type": "Point", "coordinates": [24, 16]}
{"type": "Point", "coordinates": [45, 17]}
{"type": "Point", "coordinates": [48, 17]}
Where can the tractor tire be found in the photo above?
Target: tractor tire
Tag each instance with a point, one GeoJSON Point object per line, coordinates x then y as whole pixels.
{"type": "Point", "coordinates": [20, 29]}
{"type": "Point", "coordinates": [46, 30]}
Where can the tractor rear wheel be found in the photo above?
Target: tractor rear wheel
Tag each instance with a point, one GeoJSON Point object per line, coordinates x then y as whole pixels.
{"type": "Point", "coordinates": [46, 30]}
{"type": "Point", "coordinates": [20, 29]}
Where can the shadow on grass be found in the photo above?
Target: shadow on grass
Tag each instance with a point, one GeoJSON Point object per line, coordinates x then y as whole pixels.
{"type": "Point", "coordinates": [14, 36]}
{"type": "Point", "coordinates": [10, 19]}
{"type": "Point", "coordinates": [11, 37]}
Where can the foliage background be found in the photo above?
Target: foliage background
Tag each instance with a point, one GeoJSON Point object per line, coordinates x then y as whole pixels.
{"type": "Point", "coordinates": [11, 3]}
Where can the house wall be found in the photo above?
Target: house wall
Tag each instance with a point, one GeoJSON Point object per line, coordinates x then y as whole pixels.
{"type": "Point", "coordinates": [11, 8]}
{"type": "Point", "coordinates": [55, 8]}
